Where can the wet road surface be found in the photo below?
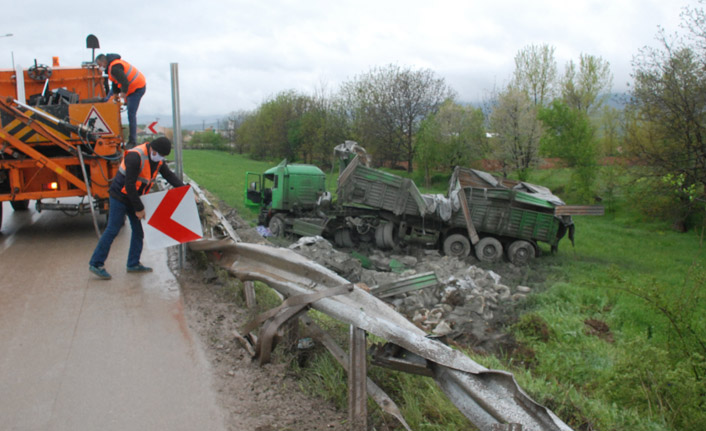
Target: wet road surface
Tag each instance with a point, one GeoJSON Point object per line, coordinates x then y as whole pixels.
{"type": "Point", "coordinates": [79, 353]}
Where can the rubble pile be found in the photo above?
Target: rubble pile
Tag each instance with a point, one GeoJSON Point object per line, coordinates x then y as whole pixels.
{"type": "Point", "coordinates": [469, 304]}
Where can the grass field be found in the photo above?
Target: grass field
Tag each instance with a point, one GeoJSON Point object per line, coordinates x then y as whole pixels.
{"type": "Point", "coordinates": [643, 370]}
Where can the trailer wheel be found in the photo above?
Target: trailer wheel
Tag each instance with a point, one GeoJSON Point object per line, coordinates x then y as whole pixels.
{"type": "Point", "coordinates": [388, 233]}
{"type": "Point", "coordinates": [277, 225]}
{"type": "Point", "coordinates": [489, 249]}
{"type": "Point", "coordinates": [20, 205]}
{"type": "Point", "coordinates": [457, 245]}
{"type": "Point", "coordinates": [343, 238]}
{"type": "Point", "coordinates": [520, 252]}
{"type": "Point", "coordinates": [380, 237]}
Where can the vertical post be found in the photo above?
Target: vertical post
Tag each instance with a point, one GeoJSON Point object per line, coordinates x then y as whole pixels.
{"type": "Point", "coordinates": [249, 290]}
{"type": "Point", "coordinates": [357, 381]}
{"type": "Point", "coordinates": [176, 127]}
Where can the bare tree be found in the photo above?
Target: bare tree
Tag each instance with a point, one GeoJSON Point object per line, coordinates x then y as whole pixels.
{"type": "Point", "coordinates": [387, 106]}
{"type": "Point", "coordinates": [230, 126]}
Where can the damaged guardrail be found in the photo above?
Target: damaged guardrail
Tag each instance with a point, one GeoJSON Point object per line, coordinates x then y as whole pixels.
{"type": "Point", "coordinates": [486, 397]}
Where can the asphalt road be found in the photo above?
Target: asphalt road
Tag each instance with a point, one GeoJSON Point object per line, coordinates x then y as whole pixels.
{"type": "Point", "coordinates": [78, 353]}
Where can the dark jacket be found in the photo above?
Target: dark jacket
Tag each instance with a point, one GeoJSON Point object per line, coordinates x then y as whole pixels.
{"type": "Point", "coordinates": [132, 169]}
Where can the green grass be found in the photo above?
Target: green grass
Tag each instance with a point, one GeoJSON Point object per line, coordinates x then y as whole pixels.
{"type": "Point", "coordinates": [223, 174]}
{"type": "Point", "coordinates": [633, 273]}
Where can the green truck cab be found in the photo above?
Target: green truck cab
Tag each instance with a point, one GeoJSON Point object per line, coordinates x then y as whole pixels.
{"type": "Point", "coordinates": [284, 190]}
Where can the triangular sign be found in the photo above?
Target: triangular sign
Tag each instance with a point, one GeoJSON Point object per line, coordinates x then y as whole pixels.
{"type": "Point", "coordinates": [94, 119]}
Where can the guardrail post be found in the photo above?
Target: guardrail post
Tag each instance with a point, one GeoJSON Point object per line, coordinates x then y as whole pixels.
{"type": "Point", "coordinates": [357, 381]}
{"type": "Point", "coordinates": [249, 290]}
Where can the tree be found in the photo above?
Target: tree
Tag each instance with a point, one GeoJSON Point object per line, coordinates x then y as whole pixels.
{"type": "Point", "coordinates": [453, 136]}
{"type": "Point", "coordinates": [231, 125]}
{"type": "Point", "coordinates": [585, 89]}
{"type": "Point", "coordinates": [516, 131]}
{"type": "Point", "coordinates": [535, 73]}
{"type": "Point", "coordinates": [569, 135]}
{"type": "Point", "coordinates": [669, 109]}
{"type": "Point", "coordinates": [387, 106]}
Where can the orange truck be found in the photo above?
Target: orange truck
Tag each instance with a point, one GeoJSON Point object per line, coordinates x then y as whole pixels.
{"type": "Point", "coordinates": [59, 137]}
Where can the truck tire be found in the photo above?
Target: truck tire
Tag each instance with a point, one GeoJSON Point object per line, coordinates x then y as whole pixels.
{"type": "Point", "coordinates": [343, 238]}
{"type": "Point", "coordinates": [20, 205]}
{"type": "Point", "coordinates": [277, 225]}
{"type": "Point", "coordinates": [489, 249]}
{"type": "Point", "coordinates": [520, 252]}
{"type": "Point", "coordinates": [388, 235]}
{"type": "Point", "coordinates": [380, 237]}
{"type": "Point", "coordinates": [457, 245]}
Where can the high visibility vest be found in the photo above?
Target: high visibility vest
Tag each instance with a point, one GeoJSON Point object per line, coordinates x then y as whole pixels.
{"type": "Point", "coordinates": [135, 78]}
{"type": "Point", "coordinates": [146, 177]}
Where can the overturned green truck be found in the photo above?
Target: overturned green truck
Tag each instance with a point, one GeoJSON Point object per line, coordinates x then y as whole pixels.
{"type": "Point", "coordinates": [480, 213]}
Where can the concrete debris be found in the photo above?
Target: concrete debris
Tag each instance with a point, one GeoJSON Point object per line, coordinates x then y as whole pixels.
{"type": "Point", "coordinates": [466, 305]}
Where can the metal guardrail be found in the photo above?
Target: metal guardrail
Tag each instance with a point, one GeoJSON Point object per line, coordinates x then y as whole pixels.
{"type": "Point", "coordinates": [486, 397]}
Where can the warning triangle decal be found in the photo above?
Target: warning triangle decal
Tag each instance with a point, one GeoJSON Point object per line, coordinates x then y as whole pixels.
{"type": "Point", "coordinates": [94, 120]}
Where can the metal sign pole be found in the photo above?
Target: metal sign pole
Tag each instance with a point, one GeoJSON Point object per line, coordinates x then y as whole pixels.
{"type": "Point", "coordinates": [176, 127]}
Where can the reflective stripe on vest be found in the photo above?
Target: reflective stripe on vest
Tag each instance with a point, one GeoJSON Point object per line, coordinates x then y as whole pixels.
{"type": "Point", "coordinates": [145, 177]}
{"type": "Point", "coordinates": [137, 80]}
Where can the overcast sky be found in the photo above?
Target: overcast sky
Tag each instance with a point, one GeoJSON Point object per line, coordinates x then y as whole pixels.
{"type": "Point", "coordinates": [234, 54]}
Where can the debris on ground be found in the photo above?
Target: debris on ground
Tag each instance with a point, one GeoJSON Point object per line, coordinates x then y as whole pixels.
{"type": "Point", "coordinates": [470, 305]}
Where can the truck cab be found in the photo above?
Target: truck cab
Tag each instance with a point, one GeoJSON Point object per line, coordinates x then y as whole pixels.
{"type": "Point", "coordinates": [285, 189]}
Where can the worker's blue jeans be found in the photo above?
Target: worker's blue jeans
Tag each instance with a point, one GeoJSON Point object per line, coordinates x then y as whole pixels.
{"type": "Point", "coordinates": [133, 102]}
{"type": "Point", "coordinates": [116, 219]}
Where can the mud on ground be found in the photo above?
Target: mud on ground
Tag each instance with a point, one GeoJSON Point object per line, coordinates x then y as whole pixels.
{"type": "Point", "coordinates": [471, 307]}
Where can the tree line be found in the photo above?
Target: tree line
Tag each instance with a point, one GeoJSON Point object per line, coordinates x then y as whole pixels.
{"type": "Point", "coordinates": [412, 118]}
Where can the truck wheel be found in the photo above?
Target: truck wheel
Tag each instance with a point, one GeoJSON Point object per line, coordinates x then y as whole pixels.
{"type": "Point", "coordinates": [20, 205]}
{"type": "Point", "coordinates": [520, 252]}
{"type": "Point", "coordinates": [457, 245]}
{"type": "Point", "coordinates": [343, 238]}
{"type": "Point", "coordinates": [388, 235]}
{"type": "Point", "coordinates": [380, 237]}
{"type": "Point", "coordinates": [489, 249]}
{"type": "Point", "coordinates": [277, 225]}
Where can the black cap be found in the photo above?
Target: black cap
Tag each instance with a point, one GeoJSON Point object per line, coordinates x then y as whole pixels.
{"type": "Point", "coordinates": [162, 145]}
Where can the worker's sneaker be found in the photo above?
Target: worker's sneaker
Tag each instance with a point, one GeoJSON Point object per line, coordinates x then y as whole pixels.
{"type": "Point", "coordinates": [139, 268]}
{"type": "Point", "coordinates": [100, 272]}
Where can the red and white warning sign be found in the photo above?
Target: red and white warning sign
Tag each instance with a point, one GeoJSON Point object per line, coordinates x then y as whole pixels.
{"type": "Point", "coordinates": [171, 218]}
{"type": "Point", "coordinates": [94, 119]}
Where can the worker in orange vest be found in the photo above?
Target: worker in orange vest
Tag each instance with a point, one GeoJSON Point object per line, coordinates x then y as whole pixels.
{"type": "Point", "coordinates": [135, 177]}
{"type": "Point", "coordinates": [128, 83]}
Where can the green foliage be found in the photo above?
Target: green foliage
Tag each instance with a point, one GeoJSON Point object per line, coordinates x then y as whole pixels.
{"type": "Point", "coordinates": [535, 73]}
{"type": "Point", "coordinates": [517, 133]}
{"type": "Point", "coordinates": [454, 136]}
{"type": "Point", "coordinates": [667, 113]}
{"type": "Point", "coordinates": [569, 135]}
{"type": "Point", "coordinates": [585, 87]}
{"type": "Point", "coordinates": [208, 140]}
